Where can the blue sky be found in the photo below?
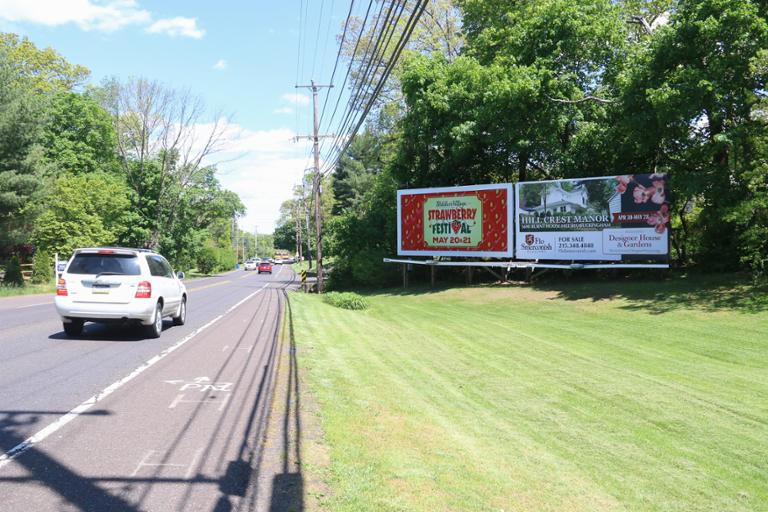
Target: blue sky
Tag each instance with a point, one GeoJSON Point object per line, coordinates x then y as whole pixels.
{"type": "Point", "coordinates": [240, 57]}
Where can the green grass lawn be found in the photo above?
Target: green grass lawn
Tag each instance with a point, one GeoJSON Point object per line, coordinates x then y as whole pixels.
{"type": "Point", "coordinates": [30, 289]}
{"type": "Point", "coordinates": [609, 396]}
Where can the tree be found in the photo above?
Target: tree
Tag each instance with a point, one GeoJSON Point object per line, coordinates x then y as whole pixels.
{"type": "Point", "coordinates": [44, 71]}
{"type": "Point", "coordinates": [207, 260]}
{"type": "Point", "coordinates": [692, 107]}
{"type": "Point", "coordinates": [13, 275]}
{"type": "Point", "coordinates": [84, 211]}
{"type": "Point", "coordinates": [437, 32]}
{"type": "Point", "coordinates": [285, 237]}
{"type": "Point", "coordinates": [78, 136]}
{"type": "Point", "coordinates": [162, 144]}
{"type": "Point", "coordinates": [21, 169]}
{"type": "Point", "coordinates": [355, 171]}
{"type": "Point", "coordinates": [42, 271]}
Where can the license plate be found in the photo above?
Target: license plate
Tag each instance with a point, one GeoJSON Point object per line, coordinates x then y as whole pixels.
{"type": "Point", "coordinates": [101, 289]}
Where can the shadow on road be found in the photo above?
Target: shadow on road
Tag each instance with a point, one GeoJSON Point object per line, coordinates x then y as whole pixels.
{"type": "Point", "coordinates": [109, 332]}
{"type": "Point", "coordinates": [237, 487]}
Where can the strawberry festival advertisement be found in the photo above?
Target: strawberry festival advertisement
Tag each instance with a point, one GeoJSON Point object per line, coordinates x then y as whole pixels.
{"type": "Point", "coordinates": [614, 218]}
{"type": "Point", "coordinates": [456, 221]}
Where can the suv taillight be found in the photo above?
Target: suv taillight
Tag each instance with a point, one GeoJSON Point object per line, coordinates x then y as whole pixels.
{"type": "Point", "coordinates": [61, 288]}
{"type": "Point", "coordinates": [144, 290]}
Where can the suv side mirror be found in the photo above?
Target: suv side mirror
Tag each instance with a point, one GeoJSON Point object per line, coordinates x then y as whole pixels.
{"type": "Point", "coordinates": [180, 274]}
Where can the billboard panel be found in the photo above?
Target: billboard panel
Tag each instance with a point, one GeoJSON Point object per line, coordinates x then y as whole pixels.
{"type": "Point", "coordinates": [609, 218]}
{"type": "Point", "coordinates": [455, 221]}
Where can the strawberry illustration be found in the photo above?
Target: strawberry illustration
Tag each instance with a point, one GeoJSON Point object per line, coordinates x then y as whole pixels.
{"type": "Point", "coordinates": [456, 226]}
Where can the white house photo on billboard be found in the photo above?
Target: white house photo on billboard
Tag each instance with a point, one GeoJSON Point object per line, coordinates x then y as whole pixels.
{"type": "Point", "coordinates": [613, 218]}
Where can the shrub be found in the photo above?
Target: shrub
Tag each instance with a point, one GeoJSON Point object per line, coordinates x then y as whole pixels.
{"type": "Point", "coordinates": [207, 260]}
{"type": "Point", "coordinates": [42, 271]}
{"type": "Point", "coordinates": [346, 300]}
{"type": "Point", "coordinates": [13, 276]}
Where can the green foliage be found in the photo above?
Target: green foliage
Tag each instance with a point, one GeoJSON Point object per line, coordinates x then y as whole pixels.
{"type": "Point", "coordinates": [79, 136]}
{"type": "Point", "coordinates": [346, 300]}
{"type": "Point", "coordinates": [285, 236]}
{"type": "Point", "coordinates": [42, 271]}
{"type": "Point", "coordinates": [207, 260]}
{"type": "Point", "coordinates": [21, 172]}
{"type": "Point", "coordinates": [359, 239]}
{"type": "Point", "coordinates": [558, 89]}
{"type": "Point", "coordinates": [84, 211]}
{"type": "Point", "coordinates": [356, 171]}
{"type": "Point", "coordinates": [13, 275]}
{"type": "Point", "coordinates": [43, 70]}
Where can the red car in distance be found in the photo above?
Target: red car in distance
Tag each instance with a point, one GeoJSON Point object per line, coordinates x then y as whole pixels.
{"type": "Point", "coordinates": [265, 266]}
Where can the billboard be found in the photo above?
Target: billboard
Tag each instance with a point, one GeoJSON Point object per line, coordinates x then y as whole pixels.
{"type": "Point", "coordinates": [610, 218]}
{"type": "Point", "coordinates": [455, 221]}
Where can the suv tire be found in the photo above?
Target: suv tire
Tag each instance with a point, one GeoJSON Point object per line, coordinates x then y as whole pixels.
{"type": "Point", "coordinates": [156, 327]}
{"type": "Point", "coordinates": [74, 327]}
{"type": "Point", "coordinates": [182, 313]}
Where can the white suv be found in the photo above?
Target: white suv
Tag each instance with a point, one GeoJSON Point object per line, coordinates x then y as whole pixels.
{"type": "Point", "coordinates": [120, 285]}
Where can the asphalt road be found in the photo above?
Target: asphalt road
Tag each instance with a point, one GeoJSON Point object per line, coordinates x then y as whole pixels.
{"type": "Point", "coordinates": [110, 421]}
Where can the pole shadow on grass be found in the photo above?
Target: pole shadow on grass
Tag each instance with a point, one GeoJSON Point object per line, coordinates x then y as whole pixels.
{"type": "Point", "coordinates": [657, 293]}
{"type": "Point", "coordinates": [652, 291]}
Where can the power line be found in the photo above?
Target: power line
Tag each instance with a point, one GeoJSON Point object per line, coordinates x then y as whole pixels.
{"type": "Point", "coordinates": [407, 32]}
{"type": "Point", "coordinates": [365, 79]}
{"type": "Point", "coordinates": [346, 76]}
{"type": "Point", "coordinates": [317, 37]}
{"type": "Point", "coordinates": [338, 55]}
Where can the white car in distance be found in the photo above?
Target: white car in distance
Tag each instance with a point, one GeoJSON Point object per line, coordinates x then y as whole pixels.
{"type": "Point", "coordinates": [119, 285]}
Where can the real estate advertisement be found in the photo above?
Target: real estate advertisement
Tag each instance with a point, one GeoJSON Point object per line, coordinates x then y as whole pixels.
{"type": "Point", "coordinates": [457, 221]}
{"type": "Point", "coordinates": [608, 218]}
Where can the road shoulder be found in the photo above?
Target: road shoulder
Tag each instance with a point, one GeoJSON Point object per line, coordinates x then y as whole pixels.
{"type": "Point", "coordinates": [294, 450]}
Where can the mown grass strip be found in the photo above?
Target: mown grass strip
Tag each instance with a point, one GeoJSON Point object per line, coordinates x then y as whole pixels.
{"type": "Point", "coordinates": [543, 399]}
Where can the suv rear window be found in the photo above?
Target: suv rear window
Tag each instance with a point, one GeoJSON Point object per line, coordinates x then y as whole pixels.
{"type": "Point", "coordinates": [114, 264]}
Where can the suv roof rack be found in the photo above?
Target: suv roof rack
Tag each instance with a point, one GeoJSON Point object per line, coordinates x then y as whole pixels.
{"type": "Point", "coordinates": [137, 249]}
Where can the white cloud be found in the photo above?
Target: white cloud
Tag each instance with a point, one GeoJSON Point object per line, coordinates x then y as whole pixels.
{"type": "Point", "coordinates": [221, 64]}
{"type": "Point", "coordinates": [101, 15]}
{"type": "Point", "coordinates": [262, 167]}
{"type": "Point", "coordinates": [296, 98]}
{"type": "Point", "coordinates": [105, 15]}
{"type": "Point", "coordinates": [178, 26]}
{"type": "Point", "coordinates": [284, 110]}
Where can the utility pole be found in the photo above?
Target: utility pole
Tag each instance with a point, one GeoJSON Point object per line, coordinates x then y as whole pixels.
{"type": "Point", "coordinates": [316, 181]}
{"type": "Point", "coordinates": [256, 243]}
{"type": "Point", "coordinates": [297, 224]}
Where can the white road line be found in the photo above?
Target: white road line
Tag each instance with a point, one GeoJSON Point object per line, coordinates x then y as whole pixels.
{"type": "Point", "coordinates": [28, 443]}
{"type": "Point", "coordinates": [33, 305]}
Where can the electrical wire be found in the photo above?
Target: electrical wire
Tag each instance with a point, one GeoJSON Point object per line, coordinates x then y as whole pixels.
{"type": "Point", "coordinates": [411, 24]}
{"type": "Point", "coordinates": [368, 74]}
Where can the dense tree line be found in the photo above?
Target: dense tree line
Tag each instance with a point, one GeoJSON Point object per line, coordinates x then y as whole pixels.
{"type": "Point", "coordinates": [542, 89]}
{"type": "Point", "coordinates": [122, 163]}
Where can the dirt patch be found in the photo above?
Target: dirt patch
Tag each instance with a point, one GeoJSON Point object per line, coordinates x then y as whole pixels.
{"type": "Point", "coordinates": [293, 447]}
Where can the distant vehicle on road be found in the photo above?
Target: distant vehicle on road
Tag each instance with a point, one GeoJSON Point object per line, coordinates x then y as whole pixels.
{"type": "Point", "coordinates": [120, 285]}
{"type": "Point", "coordinates": [251, 265]}
{"type": "Point", "coordinates": [265, 266]}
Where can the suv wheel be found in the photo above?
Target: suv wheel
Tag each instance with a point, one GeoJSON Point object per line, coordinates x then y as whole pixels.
{"type": "Point", "coordinates": [182, 313]}
{"type": "Point", "coordinates": [74, 327]}
{"type": "Point", "coordinates": [154, 330]}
